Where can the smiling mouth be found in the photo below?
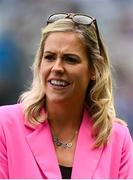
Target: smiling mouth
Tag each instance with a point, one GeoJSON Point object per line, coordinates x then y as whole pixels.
{"type": "Point", "coordinates": [59, 83]}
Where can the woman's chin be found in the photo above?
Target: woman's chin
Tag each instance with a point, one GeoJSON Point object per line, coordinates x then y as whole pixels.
{"type": "Point", "coordinates": [56, 99]}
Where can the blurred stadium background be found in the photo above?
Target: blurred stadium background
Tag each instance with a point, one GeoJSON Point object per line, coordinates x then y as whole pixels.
{"type": "Point", "coordinates": [20, 24]}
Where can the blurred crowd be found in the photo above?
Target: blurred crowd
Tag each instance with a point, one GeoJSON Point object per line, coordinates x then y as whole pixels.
{"type": "Point", "coordinates": [20, 25]}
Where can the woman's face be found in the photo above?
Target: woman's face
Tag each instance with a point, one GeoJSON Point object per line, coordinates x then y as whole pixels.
{"type": "Point", "coordinates": [65, 69]}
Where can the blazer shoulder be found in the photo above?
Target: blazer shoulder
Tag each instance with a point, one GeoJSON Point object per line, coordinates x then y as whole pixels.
{"type": "Point", "coordinates": [9, 113]}
{"type": "Point", "coordinates": [120, 131]}
{"type": "Point", "coordinates": [10, 109]}
{"type": "Point", "coordinates": [119, 126]}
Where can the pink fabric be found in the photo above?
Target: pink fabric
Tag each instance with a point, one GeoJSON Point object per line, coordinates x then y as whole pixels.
{"type": "Point", "coordinates": [27, 152]}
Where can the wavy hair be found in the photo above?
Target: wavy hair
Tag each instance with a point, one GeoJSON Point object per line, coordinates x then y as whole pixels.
{"type": "Point", "coordinates": [99, 96]}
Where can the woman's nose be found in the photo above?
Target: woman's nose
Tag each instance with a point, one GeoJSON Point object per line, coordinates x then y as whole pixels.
{"type": "Point", "coordinates": [58, 66]}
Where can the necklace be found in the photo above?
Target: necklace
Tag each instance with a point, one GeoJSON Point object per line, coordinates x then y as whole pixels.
{"type": "Point", "coordinates": [64, 145]}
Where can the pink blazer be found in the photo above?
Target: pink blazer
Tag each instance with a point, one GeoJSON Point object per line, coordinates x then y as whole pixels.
{"type": "Point", "coordinates": [27, 152]}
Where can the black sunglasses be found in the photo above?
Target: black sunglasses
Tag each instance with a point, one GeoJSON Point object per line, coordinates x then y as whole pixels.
{"type": "Point", "coordinates": [77, 18]}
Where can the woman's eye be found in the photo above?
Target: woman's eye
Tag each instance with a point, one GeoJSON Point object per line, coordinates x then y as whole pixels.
{"type": "Point", "coordinates": [49, 57]}
{"type": "Point", "coordinates": [71, 60]}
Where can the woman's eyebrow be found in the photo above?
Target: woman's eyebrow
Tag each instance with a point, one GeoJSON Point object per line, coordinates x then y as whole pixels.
{"type": "Point", "coordinates": [48, 52]}
{"type": "Point", "coordinates": [71, 54]}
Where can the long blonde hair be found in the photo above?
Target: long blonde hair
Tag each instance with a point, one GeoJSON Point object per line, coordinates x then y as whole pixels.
{"type": "Point", "coordinates": [99, 97]}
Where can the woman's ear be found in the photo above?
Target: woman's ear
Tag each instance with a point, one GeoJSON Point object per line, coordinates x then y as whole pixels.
{"type": "Point", "coordinates": [93, 77]}
{"type": "Point", "coordinates": [93, 74]}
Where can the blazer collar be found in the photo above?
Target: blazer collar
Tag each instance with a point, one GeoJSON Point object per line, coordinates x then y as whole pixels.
{"type": "Point", "coordinates": [85, 158]}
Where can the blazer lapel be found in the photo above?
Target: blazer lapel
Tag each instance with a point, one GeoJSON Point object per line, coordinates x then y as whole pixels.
{"type": "Point", "coordinates": [41, 144]}
{"type": "Point", "coordinates": [86, 159]}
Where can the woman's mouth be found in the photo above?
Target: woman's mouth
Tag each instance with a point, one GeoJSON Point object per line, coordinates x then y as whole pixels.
{"type": "Point", "coordinates": [59, 82]}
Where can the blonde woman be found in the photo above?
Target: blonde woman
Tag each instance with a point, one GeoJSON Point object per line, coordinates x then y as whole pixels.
{"type": "Point", "coordinates": [65, 124]}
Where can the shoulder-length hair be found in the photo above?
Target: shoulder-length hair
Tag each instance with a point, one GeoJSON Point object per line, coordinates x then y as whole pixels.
{"type": "Point", "coordinates": [99, 96]}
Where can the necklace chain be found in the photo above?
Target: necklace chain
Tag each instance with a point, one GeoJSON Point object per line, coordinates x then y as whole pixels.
{"type": "Point", "coordinates": [64, 145]}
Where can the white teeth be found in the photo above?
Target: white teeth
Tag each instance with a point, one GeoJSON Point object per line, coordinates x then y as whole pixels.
{"type": "Point", "coordinates": [58, 83]}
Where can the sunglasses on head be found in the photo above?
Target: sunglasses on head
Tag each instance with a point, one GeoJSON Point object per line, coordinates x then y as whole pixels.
{"type": "Point", "coordinates": [76, 18]}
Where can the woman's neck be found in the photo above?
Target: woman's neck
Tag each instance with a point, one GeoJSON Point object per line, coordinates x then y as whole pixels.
{"type": "Point", "coordinates": [64, 115]}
